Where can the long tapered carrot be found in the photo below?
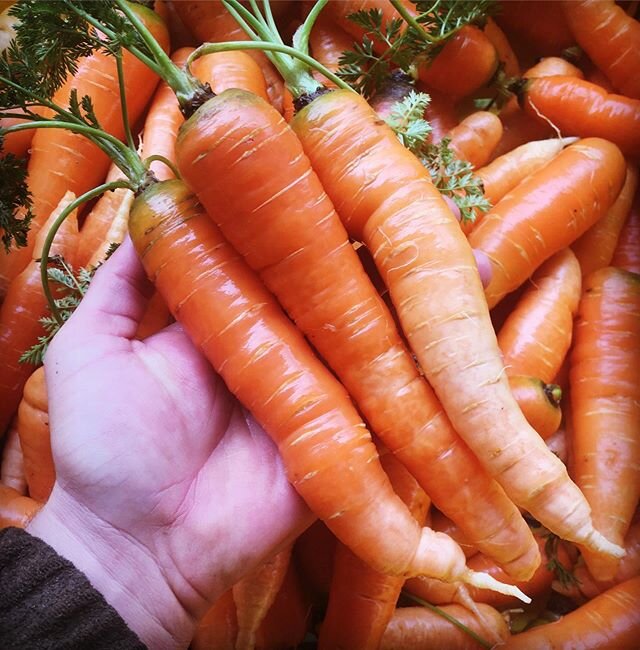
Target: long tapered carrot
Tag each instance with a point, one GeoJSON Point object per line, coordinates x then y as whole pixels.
{"type": "Point", "coordinates": [35, 438]}
{"type": "Point", "coordinates": [326, 449]}
{"type": "Point", "coordinates": [417, 627]}
{"type": "Point", "coordinates": [578, 107]}
{"type": "Point", "coordinates": [12, 466]}
{"type": "Point", "coordinates": [605, 401]}
{"type": "Point", "coordinates": [210, 21]}
{"type": "Point", "coordinates": [611, 620]}
{"type": "Point", "coordinates": [537, 334]}
{"type": "Point", "coordinates": [548, 211]}
{"type": "Point", "coordinates": [361, 600]}
{"type": "Point", "coordinates": [627, 253]}
{"type": "Point", "coordinates": [62, 161]}
{"type": "Point", "coordinates": [20, 312]}
{"type": "Point", "coordinates": [610, 38]}
{"type": "Point", "coordinates": [596, 247]}
{"type": "Point", "coordinates": [539, 403]}
{"type": "Point", "coordinates": [16, 509]}
{"type": "Point", "coordinates": [286, 228]}
{"type": "Point", "coordinates": [475, 138]}
{"type": "Point", "coordinates": [395, 209]}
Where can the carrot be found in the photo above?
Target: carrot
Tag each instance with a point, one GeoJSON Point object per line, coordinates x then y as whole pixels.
{"type": "Point", "coordinates": [17, 143]}
{"type": "Point", "coordinates": [328, 41]}
{"type": "Point", "coordinates": [610, 38]}
{"type": "Point", "coordinates": [326, 449]}
{"type": "Point", "coordinates": [12, 467]}
{"type": "Point", "coordinates": [156, 317]}
{"type": "Point", "coordinates": [536, 336]}
{"type": "Point", "coordinates": [443, 524]}
{"type": "Point", "coordinates": [595, 249]}
{"type": "Point", "coordinates": [35, 437]}
{"type": "Point", "coordinates": [399, 218]}
{"type": "Point", "coordinates": [63, 161]}
{"type": "Point", "coordinates": [362, 601]}
{"type": "Point", "coordinates": [466, 63]}
{"type": "Point", "coordinates": [416, 627]}
{"type": "Point", "coordinates": [284, 225]}
{"type": "Point", "coordinates": [20, 312]}
{"type": "Point", "coordinates": [539, 403]}
{"type": "Point", "coordinates": [548, 211]}
{"type": "Point", "coordinates": [500, 42]}
{"type": "Point", "coordinates": [16, 509]}
{"type": "Point", "coordinates": [605, 400]}
{"type": "Point", "coordinates": [577, 107]}
{"type": "Point", "coordinates": [558, 444]}
{"type": "Point", "coordinates": [611, 620]}
{"type": "Point", "coordinates": [475, 138]}
{"type": "Point", "coordinates": [394, 90]}
{"type": "Point", "coordinates": [218, 628]}
{"type": "Point", "coordinates": [314, 552]}
{"type": "Point", "coordinates": [210, 21]}
{"type": "Point", "coordinates": [254, 595]}
{"type": "Point", "coordinates": [627, 253]}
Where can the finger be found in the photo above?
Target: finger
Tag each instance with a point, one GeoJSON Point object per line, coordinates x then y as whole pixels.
{"type": "Point", "coordinates": [452, 206]}
{"type": "Point", "coordinates": [484, 267]}
{"type": "Point", "coordinates": [116, 300]}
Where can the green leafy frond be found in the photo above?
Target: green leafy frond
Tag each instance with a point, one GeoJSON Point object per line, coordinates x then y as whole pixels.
{"type": "Point", "coordinates": [15, 202]}
{"type": "Point", "coordinates": [564, 576]}
{"type": "Point", "coordinates": [408, 123]}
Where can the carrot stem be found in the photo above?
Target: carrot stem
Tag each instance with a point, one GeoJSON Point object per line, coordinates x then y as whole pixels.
{"type": "Point", "coordinates": [123, 101]}
{"type": "Point", "coordinates": [451, 619]}
{"type": "Point", "coordinates": [164, 160]}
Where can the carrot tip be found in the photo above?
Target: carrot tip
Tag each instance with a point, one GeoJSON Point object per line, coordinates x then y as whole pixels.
{"type": "Point", "coordinates": [485, 581]}
{"type": "Point", "coordinates": [600, 544]}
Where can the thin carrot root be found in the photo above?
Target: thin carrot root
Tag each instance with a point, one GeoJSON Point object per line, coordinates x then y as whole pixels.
{"type": "Point", "coordinates": [485, 581]}
{"type": "Point", "coordinates": [600, 544]}
{"type": "Point", "coordinates": [465, 599]}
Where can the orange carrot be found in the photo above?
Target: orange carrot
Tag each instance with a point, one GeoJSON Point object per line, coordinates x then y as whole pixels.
{"type": "Point", "coordinates": [611, 620]}
{"type": "Point", "coordinates": [605, 401]}
{"type": "Point", "coordinates": [440, 113]}
{"type": "Point", "coordinates": [156, 317]}
{"type": "Point", "coordinates": [596, 247]}
{"type": "Point", "coordinates": [20, 312]}
{"type": "Point", "coordinates": [443, 524]}
{"type": "Point", "coordinates": [218, 628]}
{"type": "Point", "coordinates": [475, 138]}
{"type": "Point", "coordinates": [577, 107]}
{"type": "Point", "coordinates": [610, 38]}
{"type": "Point", "coordinates": [548, 211]}
{"type": "Point", "coordinates": [536, 336]}
{"type": "Point", "coordinates": [285, 225]}
{"type": "Point", "coordinates": [62, 161]}
{"type": "Point", "coordinates": [326, 449]}
{"type": "Point", "coordinates": [539, 403]}
{"type": "Point", "coordinates": [399, 217]}
{"type": "Point", "coordinates": [17, 143]}
{"type": "Point", "coordinates": [12, 467]}
{"type": "Point", "coordinates": [417, 627]}
{"type": "Point", "coordinates": [254, 595]}
{"type": "Point", "coordinates": [361, 600]}
{"type": "Point", "coordinates": [35, 437]}
{"type": "Point", "coordinates": [314, 551]}
{"type": "Point", "coordinates": [627, 253]}
{"type": "Point", "coordinates": [500, 42]}
{"type": "Point", "coordinates": [327, 43]}
{"type": "Point", "coordinates": [15, 509]}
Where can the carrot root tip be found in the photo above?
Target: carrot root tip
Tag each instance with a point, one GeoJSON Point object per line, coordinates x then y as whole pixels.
{"type": "Point", "coordinates": [485, 581]}
{"type": "Point", "coordinates": [600, 544]}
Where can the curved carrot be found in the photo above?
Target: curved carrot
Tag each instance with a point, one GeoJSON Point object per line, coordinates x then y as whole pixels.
{"type": "Point", "coordinates": [326, 449]}
{"type": "Point", "coordinates": [627, 253]}
{"type": "Point", "coordinates": [466, 63]}
{"type": "Point", "coordinates": [400, 216]}
{"type": "Point", "coordinates": [15, 509]}
{"type": "Point", "coordinates": [62, 161]}
{"type": "Point", "coordinates": [362, 601]}
{"type": "Point", "coordinates": [595, 249]}
{"type": "Point", "coordinates": [475, 138]}
{"type": "Point", "coordinates": [537, 334]}
{"type": "Point", "coordinates": [539, 403]}
{"type": "Point", "coordinates": [605, 404]}
{"type": "Point", "coordinates": [35, 438]}
{"type": "Point", "coordinates": [284, 225]}
{"type": "Point", "coordinates": [21, 310]}
{"type": "Point", "coordinates": [611, 620]}
{"type": "Point", "coordinates": [417, 627]}
{"type": "Point", "coordinates": [12, 467]}
{"type": "Point", "coordinates": [577, 107]}
{"type": "Point", "coordinates": [548, 211]}
{"type": "Point", "coordinates": [254, 595]}
{"type": "Point", "coordinates": [218, 628]}
{"type": "Point", "coordinates": [610, 38]}
{"type": "Point", "coordinates": [506, 56]}
{"type": "Point", "coordinates": [210, 21]}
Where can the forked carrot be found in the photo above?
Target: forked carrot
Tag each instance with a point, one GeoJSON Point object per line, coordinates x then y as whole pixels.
{"type": "Point", "coordinates": [35, 437]}
{"type": "Point", "coordinates": [12, 466]}
{"type": "Point", "coordinates": [537, 334]}
{"type": "Point", "coordinates": [627, 253]}
{"type": "Point", "coordinates": [539, 403]}
{"type": "Point", "coordinates": [475, 138]}
{"type": "Point", "coordinates": [595, 249]}
{"type": "Point", "coordinates": [605, 400]}
{"type": "Point", "coordinates": [548, 211]}
{"type": "Point", "coordinates": [16, 509]}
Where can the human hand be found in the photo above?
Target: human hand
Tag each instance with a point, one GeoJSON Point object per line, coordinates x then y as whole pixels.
{"type": "Point", "coordinates": [167, 491]}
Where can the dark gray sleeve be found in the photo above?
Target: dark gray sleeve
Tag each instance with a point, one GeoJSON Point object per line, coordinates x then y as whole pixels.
{"type": "Point", "coordinates": [45, 602]}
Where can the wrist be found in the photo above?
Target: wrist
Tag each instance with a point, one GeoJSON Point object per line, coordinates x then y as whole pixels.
{"type": "Point", "coordinates": [119, 567]}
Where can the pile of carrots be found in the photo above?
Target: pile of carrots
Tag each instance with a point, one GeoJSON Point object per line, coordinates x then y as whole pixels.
{"type": "Point", "coordinates": [496, 362]}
